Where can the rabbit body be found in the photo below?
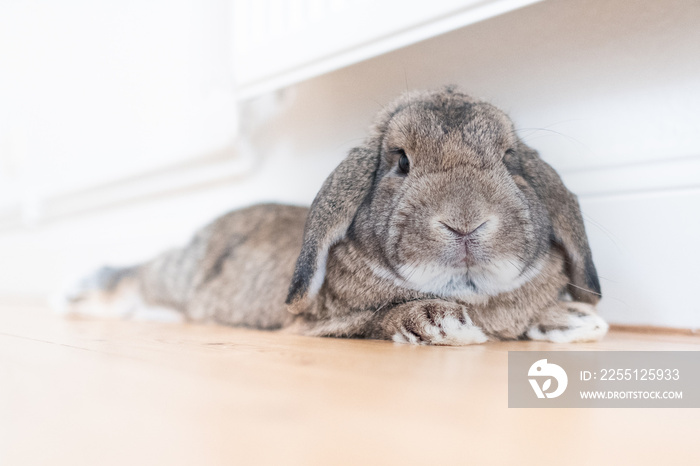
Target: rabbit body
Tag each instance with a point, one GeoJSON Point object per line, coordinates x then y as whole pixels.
{"type": "Point", "coordinates": [442, 228]}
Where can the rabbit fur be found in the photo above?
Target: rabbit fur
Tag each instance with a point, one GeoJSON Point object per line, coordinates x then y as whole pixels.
{"type": "Point", "coordinates": [443, 227]}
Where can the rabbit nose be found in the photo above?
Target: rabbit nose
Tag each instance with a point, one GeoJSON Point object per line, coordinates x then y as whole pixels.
{"type": "Point", "coordinates": [469, 239]}
{"type": "Point", "coordinates": [466, 233]}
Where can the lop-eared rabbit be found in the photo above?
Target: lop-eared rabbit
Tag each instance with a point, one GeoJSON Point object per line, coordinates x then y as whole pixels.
{"type": "Point", "coordinates": [442, 228]}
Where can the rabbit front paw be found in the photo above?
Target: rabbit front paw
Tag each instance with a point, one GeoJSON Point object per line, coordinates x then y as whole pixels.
{"type": "Point", "coordinates": [569, 322]}
{"type": "Point", "coordinates": [432, 322]}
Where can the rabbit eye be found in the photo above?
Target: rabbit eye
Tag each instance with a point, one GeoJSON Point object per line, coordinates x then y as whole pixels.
{"type": "Point", "coordinates": [404, 163]}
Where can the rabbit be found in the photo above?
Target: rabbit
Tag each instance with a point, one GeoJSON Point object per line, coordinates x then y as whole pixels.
{"type": "Point", "coordinates": [442, 228]}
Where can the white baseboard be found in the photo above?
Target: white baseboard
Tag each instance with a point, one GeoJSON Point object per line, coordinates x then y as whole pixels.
{"type": "Point", "coordinates": [648, 176]}
{"type": "Point", "coordinates": [224, 166]}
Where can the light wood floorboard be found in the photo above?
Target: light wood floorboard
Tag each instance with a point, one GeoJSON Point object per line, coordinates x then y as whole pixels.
{"type": "Point", "coordinates": [97, 392]}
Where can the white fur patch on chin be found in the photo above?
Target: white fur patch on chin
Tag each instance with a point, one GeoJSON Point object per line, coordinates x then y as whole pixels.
{"type": "Point", "coordinates": [580, 328]}
{"type": "Point", "coordinates": [504, 275]}
{"type": "Point", "coordinates": [490, 279]}
{"type": "Point", "coordinates": [426, 277]}
{"type": "Point", "coordinates": [447, 331]}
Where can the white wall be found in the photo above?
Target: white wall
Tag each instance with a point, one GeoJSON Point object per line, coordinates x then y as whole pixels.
{"type": "Point", "coordinates": [608, 92]}
{"type": "Point", "coordinates": [92, 92]}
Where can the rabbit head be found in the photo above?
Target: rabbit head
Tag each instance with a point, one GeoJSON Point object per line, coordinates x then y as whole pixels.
{"type": "Point", "coordinates": [449, 203]}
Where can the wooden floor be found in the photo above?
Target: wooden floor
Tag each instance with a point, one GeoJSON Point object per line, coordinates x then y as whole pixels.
{"type": "Point", "coordinates": [91, 392]}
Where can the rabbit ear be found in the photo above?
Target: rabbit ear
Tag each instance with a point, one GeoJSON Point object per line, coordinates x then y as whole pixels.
{"type": "Point", "coordinates": [331, 213]}
{"type": "Point", "coordinates": [568, 230]}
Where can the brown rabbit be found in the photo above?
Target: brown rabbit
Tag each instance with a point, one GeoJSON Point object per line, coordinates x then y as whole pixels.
{"type": "Point", "coordinates": [442, 228]}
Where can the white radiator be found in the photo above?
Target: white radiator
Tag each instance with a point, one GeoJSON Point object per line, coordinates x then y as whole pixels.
{"type": "Point", "coordinates": [281, 42]}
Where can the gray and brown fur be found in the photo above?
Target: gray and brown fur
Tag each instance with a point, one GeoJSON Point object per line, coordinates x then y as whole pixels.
{"type": "Point", "coordinates": [480, 239]}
